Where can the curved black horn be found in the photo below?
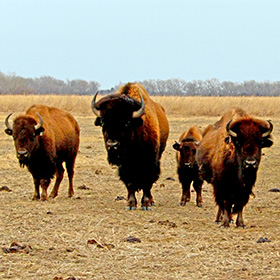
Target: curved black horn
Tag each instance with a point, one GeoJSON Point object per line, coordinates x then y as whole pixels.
{"type": "Point", "coordinates": [39, 125]}
{"type": "Point", "coordinates": [267, 133]}
{"type": "Point", "coordinates": [7, 122]}
{"type": "Point", "coordinates": [229, 131]}
{"type": "Point", "coordinates": [141, 111]}
{"type": "Point", "coordinates": [94, 110]}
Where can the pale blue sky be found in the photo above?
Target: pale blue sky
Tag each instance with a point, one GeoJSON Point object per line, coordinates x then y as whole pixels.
{"type": "Point", "coordinates": [112, 41]}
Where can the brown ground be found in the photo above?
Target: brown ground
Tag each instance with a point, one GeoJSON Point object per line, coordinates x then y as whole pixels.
{"type": "Point", "coordinates": [176, 242]}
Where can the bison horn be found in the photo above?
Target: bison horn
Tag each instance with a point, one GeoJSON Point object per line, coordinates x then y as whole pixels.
{"type": "Point", "coordinates": [94, 110]}
{"type": "Point", "coordinates": [267, 133]}
{"type": "Point", "coordinates": [229, 131]}
{"type": "Point", "coordinates": [39, 125]}
{"type": "Point", "coordinates": [7, 122]}
{"type": "Point", "coordinates": [140, 112]}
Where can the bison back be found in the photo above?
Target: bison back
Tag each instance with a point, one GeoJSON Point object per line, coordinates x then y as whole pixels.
{"type": "Point", "coordinates": [61, 129]}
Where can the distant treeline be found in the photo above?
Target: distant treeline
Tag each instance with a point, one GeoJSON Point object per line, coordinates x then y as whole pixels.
{"type": "Point", "coordinates": [14, 84]}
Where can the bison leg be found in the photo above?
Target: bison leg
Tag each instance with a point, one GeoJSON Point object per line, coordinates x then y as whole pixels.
{"type": "Point", "coordinates": [131, 199]}
{"type": "Point", "coordinates": [219, 215]}
{"type": "Point", "coordinates": [70, 172]}
{"type": "Point", "coordinates": [227, 215]}
{"type": "Point", "coordinates": [37, 191]}
{"type": "Point", "coordinates": [197, 184]}
{"type": "Point", "coordinates": [239, 219]}
{"type": "Point", "coordinates": [147, 199]}
{"type": "Point", "coordinates": [44, 185]}
{"type": "Point", "coordinates": [186, 194]}
{"type": "Point", "coordinates": [59, 177]}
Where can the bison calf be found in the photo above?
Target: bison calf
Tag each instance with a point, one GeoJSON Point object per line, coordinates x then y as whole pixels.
{"type": "Point", "coordinates": [44, 138]}
{"type": "Point", "coordinates": [186, 164]}
{"type": "Point", "coordinates": [229, 156]}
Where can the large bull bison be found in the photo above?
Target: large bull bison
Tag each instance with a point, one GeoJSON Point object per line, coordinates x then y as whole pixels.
{"type": "Point", "coordinates": [44, 138]}
{"type": "Point", "coordinates": [186, 164]}
{"type": "Point", "coordinates": [229, 156]}
{"type": "Point", "coordinates": [135, 130]}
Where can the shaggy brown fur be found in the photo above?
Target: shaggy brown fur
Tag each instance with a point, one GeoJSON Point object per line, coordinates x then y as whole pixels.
{"type": "Point", "coordinates": [138, 142]}
{"type": "Point", "coordinates": [187, 166]}
{"type": "Point", "coordinates": [228, 157]}
{"type": "Point", "coordinates": [44, 151]}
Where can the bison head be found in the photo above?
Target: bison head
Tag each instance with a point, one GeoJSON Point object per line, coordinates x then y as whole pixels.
{"type": "Point", "coordinates": [249, 136]}
{"type": "Point", "coordinates": [119, 116]}
{"type": "Point", "coordinates": [26, 132]}
{"type": "Point", "coordinates": [187, 151]}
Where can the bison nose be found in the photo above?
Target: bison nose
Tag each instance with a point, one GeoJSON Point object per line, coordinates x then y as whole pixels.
{"type": "Point", "coordinates": [22, 153]}
{"type": "Point", "coordinates": [110, 144]}
{"type": "Point", "coordinates": [251, 163]}
{"type": "Point", "coordinates": [188, 164]}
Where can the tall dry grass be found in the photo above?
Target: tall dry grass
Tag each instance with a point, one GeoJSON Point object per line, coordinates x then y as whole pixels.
{"type": "Point", "coordinates": [176, 106]}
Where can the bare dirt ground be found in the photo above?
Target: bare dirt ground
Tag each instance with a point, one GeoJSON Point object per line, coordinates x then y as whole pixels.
{"type": "Point", "coordinates": [176, 242]}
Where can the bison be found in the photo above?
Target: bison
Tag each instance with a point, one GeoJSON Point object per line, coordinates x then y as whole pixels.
{"type": "Point", "coordinates": [186, 164]}
{"type": "Point", "coordinates": [44, 138]}
{"type": "Point", "coordinates": [229, 156]}
{"type": "Point", "coordinates": [135, 131]}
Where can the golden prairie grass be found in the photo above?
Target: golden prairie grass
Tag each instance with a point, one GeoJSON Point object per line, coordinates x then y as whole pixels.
{"type": "Point", "coordinates": [174, 105]}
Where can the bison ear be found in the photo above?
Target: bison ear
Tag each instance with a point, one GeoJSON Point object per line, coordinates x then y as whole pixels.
{"type": "Point", "coordinates": [176, 146]}
{"type": "Point", "coordinates": [9, 131]}
{"type": "Point", "coordinates": [98, 122]}
{"type": "Point", "coordinates": [39, 131]}
{"type": "Point", "coordinates": [267, 142]}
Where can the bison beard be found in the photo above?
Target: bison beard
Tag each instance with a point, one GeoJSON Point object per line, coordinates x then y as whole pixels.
{"type": "Point", "coordinates": [228, 157]}
{"type": "Point", "coordinates": [134, 138]}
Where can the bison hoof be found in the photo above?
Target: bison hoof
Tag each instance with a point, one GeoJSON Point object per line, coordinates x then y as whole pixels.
{"type": "Point", "coordinates": [182, 203]}
{"type": "Point", "coordinates": [241, 226]}
{"type": "Point", "coordinates": [224, 226]}
{"type": "Point", "coordinates": [146, 208]}
{"type": "Point", "coordinates": [199, 205]}
{"type": "Point", "coordinates": [130, 207]}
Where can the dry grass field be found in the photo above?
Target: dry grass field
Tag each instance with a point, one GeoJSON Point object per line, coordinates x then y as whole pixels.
{"type": "Point", "coordinates": [176, 242]}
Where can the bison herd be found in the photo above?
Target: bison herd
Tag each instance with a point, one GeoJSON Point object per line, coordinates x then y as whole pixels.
{"type": "Point", "coordinates": [226, 154]}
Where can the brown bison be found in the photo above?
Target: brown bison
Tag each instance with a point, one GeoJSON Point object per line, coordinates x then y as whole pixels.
{"type": "Point", "coordinates": [44, 138]}
{"type": "Point", "coordinates": [135, 131]}
{"type": "Point", "coordinates": [186, 164]}
{"type": "Point", "coordinates": [229, 156]}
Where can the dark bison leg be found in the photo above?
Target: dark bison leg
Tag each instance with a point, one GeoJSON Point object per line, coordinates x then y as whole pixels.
{"type": "Point", "coordinates": [131, 199]}
{"type": "Point", "coordinates": [186, 194]}
{"type": "Point", "coordinates": [219, 215]}
{"type": "Point", "coordinates": [239, 219]}
{"type": "Point", "coordinates": [184, 178]}
{"type": "Point", "coordinates": [59, 177]}
{"type": "Point", "coordinates": [44, 185]}
{"type": "Point", "coordinates": [70, 172]}
{"type": "Point", "coordinates": [147, 199]}
{"type": "Point", "coordinates": [37, 190]}
{"type": "Point", "coordinates": [197, 184]}
{"type": "Point", "coordinates": [227, 215]}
